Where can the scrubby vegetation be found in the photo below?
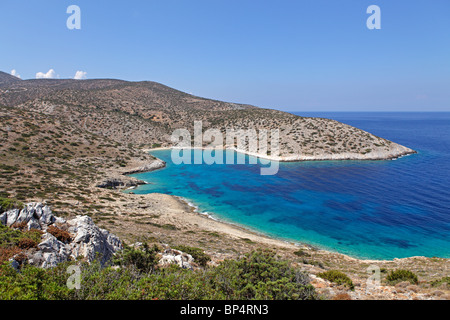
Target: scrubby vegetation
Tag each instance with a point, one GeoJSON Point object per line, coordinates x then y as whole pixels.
{"type": "Point", "coordinates": [337, 277]}
{"type": "Point", "coordinates": [12, 241]}
{"type": "Point", "coordinates": [144, 260]}
{"type": "Point", "coordinates": [400, 275]}
{"type": "Point", "coordinates": [257, 275]}
{"type": "Point", "coordinates": [61, 235]}
{"type": "Point", "coordinates": [443, 281]}
{"type": "Point", "coordinates": [8, 204]}
{"type": "Point", "coordinates": [198, 254]}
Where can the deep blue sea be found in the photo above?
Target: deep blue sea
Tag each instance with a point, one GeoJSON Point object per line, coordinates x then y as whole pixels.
{"type": "Point", "coordinates": [366, 209]}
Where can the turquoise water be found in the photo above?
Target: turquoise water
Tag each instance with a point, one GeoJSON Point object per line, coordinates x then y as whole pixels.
{"type": "Point", "coordinates": [366, 209]}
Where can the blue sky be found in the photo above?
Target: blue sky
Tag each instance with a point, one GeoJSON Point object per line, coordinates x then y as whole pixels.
{"type": "Point", "coordinates": [289, 55]}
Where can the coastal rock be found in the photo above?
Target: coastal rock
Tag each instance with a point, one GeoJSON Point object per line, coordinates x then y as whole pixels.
{"type": "Point", "coordinates": [33, 224]}
{"type": "Point", "coordinates": [171, 256]}
{"type": "Point", "coordinates": [119, 182]}
{"type": "Point", "coordinates": [46, 217]}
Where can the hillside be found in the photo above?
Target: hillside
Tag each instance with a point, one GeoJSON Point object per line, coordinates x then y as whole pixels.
{"type": "Point", "coordinates": [145, 113]}
{"type": "Point", "coordinates": [7, 79]}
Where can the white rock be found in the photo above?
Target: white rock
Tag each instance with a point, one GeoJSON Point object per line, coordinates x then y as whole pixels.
{"type": "Point", "coordinates": [12, 217]}
{"type": "Point", "coordinates": [90, 241]}
{"type": "Point", "coordinates": [50, 243]}
{"type": "Point", "coordinates": [33, 224]}
{"type": "Point", "coordinates": [3, 218]}
{"type": "Point", "coordinates": [171, 256]}
{"type": "Point", "coordinates": [47, 217]}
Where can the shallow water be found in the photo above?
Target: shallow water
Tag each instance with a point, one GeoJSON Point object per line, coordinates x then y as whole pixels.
{"type": "Point", "coordinates": [366, 209]}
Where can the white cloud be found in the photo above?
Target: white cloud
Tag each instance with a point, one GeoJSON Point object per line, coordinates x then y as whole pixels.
{"type": "Point", "coordinates": [80, 75]}
{"type": "Point", "coordinates": [51, 74]}
{"type": "Point", "coordinates": [14, 73]}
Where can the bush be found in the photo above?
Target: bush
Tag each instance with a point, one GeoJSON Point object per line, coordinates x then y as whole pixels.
{"type": "Point", "coordinates": [301, 253]}
{"type": "Point", "coordinates": [33, 283]}
{"type": "Point", "coordinates": [59, 234]}
{"type": "Point", "coordinates": [27, 243]}
{"type": "Point", "coordinates": [20, 225]}
{"type": "Point", "coordinates": [11, 237]}
{"type": "Point", "coordinates": [143, 260]}
{"type": "Point", "coordinates": [199, 256]}
{"type": "Point", "coordinates": [342, 296]}
{"type": "Point", "coordinates": [400, 275]}
{"type": "Point", "coordinates": [8, 253]}
{"type": "Point", "coordinates": [7, 204]}
{"type": "Point", "coordinates": [260, 275]}
{"type": "Point", "coordinates": [440, 282]}
{"type": "Point", "coordinates": [337, 277]}
{"type": "Point", "coordinates": [257, 275]}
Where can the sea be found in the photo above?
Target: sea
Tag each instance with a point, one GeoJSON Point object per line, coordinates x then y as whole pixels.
{"type": "Point", "coordinates": [380, 210]}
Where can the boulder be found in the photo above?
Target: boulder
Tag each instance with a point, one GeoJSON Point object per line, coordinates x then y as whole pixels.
{"type": "Point", "coordinates": [171, 256]}
{"type": "Point", "coordinates": [91, 241]}
{"type": "Point", "coordinates": [11, 216]}
{"type": "Point", "coordinates": [154, 165]}
{"type": "Point", "coordinates": [33, 224]}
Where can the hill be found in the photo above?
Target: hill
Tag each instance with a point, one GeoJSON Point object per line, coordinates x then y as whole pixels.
{"type": "Point", "coordinates": [146, 113]}
{"type": "Point", "coordinates": [6, 78]}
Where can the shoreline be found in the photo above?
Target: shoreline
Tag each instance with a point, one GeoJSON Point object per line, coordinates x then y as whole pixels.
{"type": "Point", "coordinates": [297, 158]}
{"type": "Point", "coordinates": [233, 229]}
{"type": "Point", "coordinates": [208, 221]}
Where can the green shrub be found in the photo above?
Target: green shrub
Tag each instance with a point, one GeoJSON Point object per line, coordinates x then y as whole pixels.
{"type": "Point", "coordinates": [33, 283]}
{"type": "Point", "coordinates": [8, 204]}
{"type": "Point", "coordinates": [257, 275]}
{"type": "Point", "coordinates": [438, 283]}
{"type": "Point", "coordinates": [198, 254]}
{"type": "Point", "coordinates": [144, 259]}
{"type": "Point", "coordinates": [11, 237]}
{"type": "Point", "coordinates": [337, 277]}
{"type": "Point", "coordinates": [401, 275]}
{"type": "Point", "coordinates": [175, 283]}
{"type": "Point", "coordinates": [260, 275]}
{"type": "Point", "coordinates": [301, 253]}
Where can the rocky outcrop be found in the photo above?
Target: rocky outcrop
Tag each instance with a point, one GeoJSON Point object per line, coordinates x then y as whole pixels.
{"type": "Point", "coordinates": [34, 214]}
{"type": "Point", "coordinates": [172, 256]}
{"type": "Point", "coordinates": [154, 165]}
{"type": "Point", "coordinates": [87, 241]}
{"type": "Point", "coordinates": [119, 182]}
{"type": "Point", "coordinates": [90, 241]}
